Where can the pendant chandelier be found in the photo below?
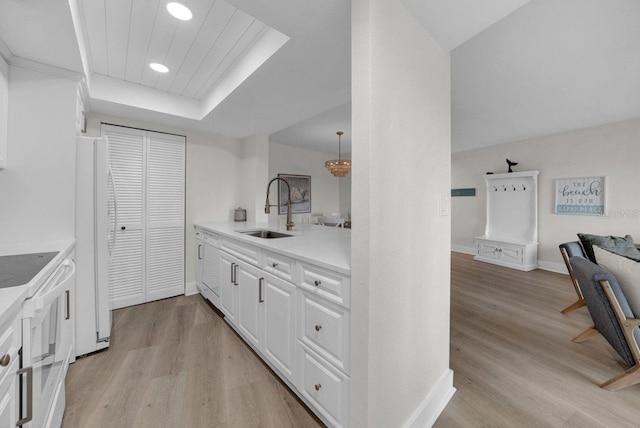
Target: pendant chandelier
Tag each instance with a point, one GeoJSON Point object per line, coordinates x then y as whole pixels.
{"type": "Point", "coordinates": [338, 167]}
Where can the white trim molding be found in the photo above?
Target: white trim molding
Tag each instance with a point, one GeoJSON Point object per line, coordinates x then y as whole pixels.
{"type": "Point", "coordinates": [190, 288]}
{"type": "Point", "coordinates": [427, 413]}
{"type": "Point", "coordinates": [463, 249]}
{"type": "Point", "coordinates": [553, 267]}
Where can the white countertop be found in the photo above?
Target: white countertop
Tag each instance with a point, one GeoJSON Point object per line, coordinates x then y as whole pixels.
{"type": "Point", "coordinates": [11, 298]}
{"type": "Point", "coordinates": [329, 247]}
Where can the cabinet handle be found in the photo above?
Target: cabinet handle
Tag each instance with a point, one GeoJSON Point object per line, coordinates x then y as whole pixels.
{"type": "Point", "coordinates": [235, 274]}
{"type": "Point", "coordinates": [317, 386]}
{"type": "Point", "coordinates": [199, 254]}
{"type": "Point", "coordinates": [274, 265]}
{"type": "Point", "coordinates": [68, 316]}
{"type": "Point", "coordinates": [5, 360]}
{"type": "Point", "coordinates": [233, 281]}
{"type": "Point", "coordinates": [318, 327]}
{"type": "Point", "coordinates": [29, 372]}
{"type": "Point", "coordinates": [317, 283]}
{"type": "Point", "coordinates": [123, 228]}
{"type": "Point", "coordinates": [260, 282]}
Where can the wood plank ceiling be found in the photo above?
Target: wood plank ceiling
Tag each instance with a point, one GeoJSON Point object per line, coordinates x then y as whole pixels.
{"type": "Point", "coordinates": [124, 36]}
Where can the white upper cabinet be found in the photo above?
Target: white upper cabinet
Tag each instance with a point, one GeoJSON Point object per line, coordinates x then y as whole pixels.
{"type": "Point", "coordinates": [4, 111]}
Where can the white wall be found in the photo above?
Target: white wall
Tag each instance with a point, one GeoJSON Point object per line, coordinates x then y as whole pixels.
{"type": "Point", "coordinates": [400, 244]}
{"type": "Point", "coordinates": [254, 176]}
{"type": "Point", "coordinates": [38, 187]}
{"type": "Point", "coordinates": [294, 160]}
{"type": "Point", "coordinates": [612, 150]}
{"type": "Point", "coordinates": [212, 181]}
{"type": "Point", "coordinates": [4, 108]}
{"type": "Point", "coordinates": [344, 192]}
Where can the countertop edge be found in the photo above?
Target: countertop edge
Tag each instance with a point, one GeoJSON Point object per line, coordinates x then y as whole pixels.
{"type": "Point", "coordinates": [222, 229]}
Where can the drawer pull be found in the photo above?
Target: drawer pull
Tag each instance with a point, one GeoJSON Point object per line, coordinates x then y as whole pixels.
{"type": "Point", "coordinates": [317, 386]}
{"type": "Point", "coordinates": [317, 283]}
{"type": "Point", "coordinates": [274, 265]}
{"type": "Point", "coordinates": [5, 360]}
{"type": "Point", "coordinates": [260, 299]}
{"type": "Point", "coordinates": [318, 327]}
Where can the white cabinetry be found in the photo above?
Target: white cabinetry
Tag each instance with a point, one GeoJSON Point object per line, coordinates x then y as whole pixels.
{"type": "Point", "coordinates": [10, 341]}
{"type": "Point", "coordinates": [248, 321]}
{"type": "Point", "coordinates": [511, 231]}
{"type": "Point", "coordinates": [228, 287]}
{"type": "Point", "coordinates": [294, 314]}
{"type": "Point", "coordinates": [208, 265]}
{"type": "Point", "coordinates": [278, 318]}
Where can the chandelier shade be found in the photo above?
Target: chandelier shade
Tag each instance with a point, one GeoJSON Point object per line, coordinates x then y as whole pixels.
{"type": "Point", "coordinates": [339, 167]}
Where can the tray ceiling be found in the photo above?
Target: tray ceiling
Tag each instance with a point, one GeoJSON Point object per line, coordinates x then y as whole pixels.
{"type": "Point", "coordinates": [125, 36]}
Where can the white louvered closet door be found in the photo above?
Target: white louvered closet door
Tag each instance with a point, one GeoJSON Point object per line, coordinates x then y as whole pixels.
{"type": "Point", "coordinates": [148, 255]}
{"type": "Point", "coordinates": [165, 216]}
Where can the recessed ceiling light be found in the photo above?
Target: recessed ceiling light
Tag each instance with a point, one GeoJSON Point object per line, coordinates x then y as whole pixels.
{"type": "Point", "coordinates": [179, 11]}
{"type": "Point", "coordinates": [160, 68]}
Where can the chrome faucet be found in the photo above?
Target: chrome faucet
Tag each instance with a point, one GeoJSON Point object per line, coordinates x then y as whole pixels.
{"type": "Point", "coordinates": [267, 205]}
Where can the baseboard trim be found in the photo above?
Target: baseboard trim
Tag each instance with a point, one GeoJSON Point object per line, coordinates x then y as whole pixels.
{"type": "Point", "coordinates": [463, 249]}
{"type": "Point", "coordinates": [553, 267]}
{"type": "Point", "coordinates": [190, 288]}
{"type": "Point", "coordinates": [427, 413]}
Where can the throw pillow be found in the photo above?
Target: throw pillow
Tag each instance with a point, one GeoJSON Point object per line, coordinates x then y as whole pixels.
{"type": "Point", "coordinates": [627, 273]}
{"type": "Point", "coordinates": [622, 246]}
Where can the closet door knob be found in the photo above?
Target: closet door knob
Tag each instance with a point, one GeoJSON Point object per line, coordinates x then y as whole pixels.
{"type": "Point", "coordinates": [5, 360]}
{"type": "Point", "coordinates": [318, 327]}
{"type": "Point", "coordinates": [317, 283]}
{"type": "Point", "coordinates": [317, 386]}
{"type": "Point", "coordinates": [275, 265]}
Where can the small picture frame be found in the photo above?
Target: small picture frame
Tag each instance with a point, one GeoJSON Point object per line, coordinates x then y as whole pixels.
{"type": "Point", "coordinates": [300, 193]}
{"type": "Point", "coordinates": [581, 196]}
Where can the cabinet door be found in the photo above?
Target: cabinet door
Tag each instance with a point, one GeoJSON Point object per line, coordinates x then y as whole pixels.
{"type": "Point", "coordinates": [165, 216]}
{"type": "Point", "coordinates": [228, 287]}
{"type": "Point", "coordinates": [250, 283]}
{"type": "Point", "coordinates": [278, 309]}
{"type": "Point", "coordinates": [199, 260]}
{"type": "Point", "coordinates": [126, 271]}
{"type": "Point", "coordinates": [211, 269]}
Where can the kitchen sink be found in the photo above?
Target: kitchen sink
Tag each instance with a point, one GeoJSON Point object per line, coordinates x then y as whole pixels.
{"type": "Point", "coordinates": [265, 234]}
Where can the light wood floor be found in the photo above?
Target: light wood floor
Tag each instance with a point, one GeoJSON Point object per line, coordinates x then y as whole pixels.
{"type": "Point", "coordinates": [513, 360]}
{"type": "Point", "coordinates": [176, 363]}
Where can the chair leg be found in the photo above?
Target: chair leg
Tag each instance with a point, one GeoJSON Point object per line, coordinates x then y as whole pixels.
{"type": "Point", "coordinates": [584, 335]}
{"type": "Point", "coordinates": [578, 304]}
{"type": "Point", "coordinates": [628, 378]}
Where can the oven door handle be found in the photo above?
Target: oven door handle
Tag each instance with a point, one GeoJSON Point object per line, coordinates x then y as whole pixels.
{"type": "Point", "coordinates": [51, 291]}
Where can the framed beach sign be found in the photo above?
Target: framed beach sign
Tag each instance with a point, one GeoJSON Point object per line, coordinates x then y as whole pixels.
{"type": "Point", "coordinates": [300, 193]}
{"type": "Point", "coordinates": [581, 196]}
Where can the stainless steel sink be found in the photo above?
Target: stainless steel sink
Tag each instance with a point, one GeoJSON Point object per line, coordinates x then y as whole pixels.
{"type": "Point", "coordinates": [265, 234]}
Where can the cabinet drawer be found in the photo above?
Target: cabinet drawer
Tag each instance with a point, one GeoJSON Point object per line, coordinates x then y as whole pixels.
{"type": "Point", "coordinates": [501, 251]}
{"type": "Point", "coordinates": [279, 265]}
{"type": "Point", "coordinates": [245, 252]}
{"type": "Point", "coordinates": [324, 327]}
{"type": "Point", "coordinates": [10, 340]}
{"type": "Point", "coordinates": [208, 237]}
{"type": "Point", "coordinates": [325, 283]}
{"type": "Point", "coordinates": [323, 386]}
